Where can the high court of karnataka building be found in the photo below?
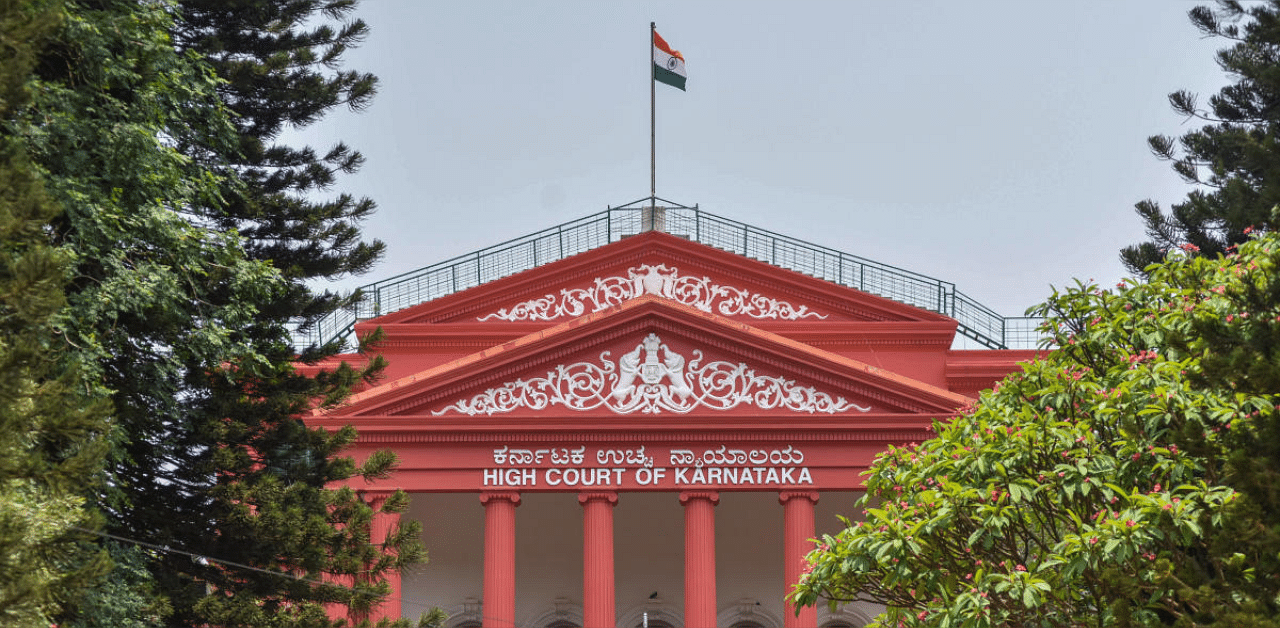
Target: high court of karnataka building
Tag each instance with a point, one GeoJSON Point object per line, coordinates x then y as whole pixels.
{"type": "Point", "coordinates": [643, 417]}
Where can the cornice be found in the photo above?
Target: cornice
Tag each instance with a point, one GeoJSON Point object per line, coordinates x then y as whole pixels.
{"type": "Point", "coordinates": [633, 436]}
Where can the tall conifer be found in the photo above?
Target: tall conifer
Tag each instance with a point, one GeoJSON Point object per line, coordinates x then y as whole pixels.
{"type": "Point", "coordinates": [1233, 158]}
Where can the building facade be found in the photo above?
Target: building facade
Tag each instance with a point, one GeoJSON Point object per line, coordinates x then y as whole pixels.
{"type": "Point", "coordinates": [647, 433]}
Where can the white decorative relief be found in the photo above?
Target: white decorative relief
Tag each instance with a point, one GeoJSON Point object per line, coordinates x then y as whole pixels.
{"type": "Point", "coordinates": [699, 292]}
{"type": "Point", "coordinates": [652, 378]}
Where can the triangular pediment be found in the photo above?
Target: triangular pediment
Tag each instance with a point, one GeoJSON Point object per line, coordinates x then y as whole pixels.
{"type": "Point", "coordinates": [661, 265]}
{"type": "Point", "coordinates": [654, 358]}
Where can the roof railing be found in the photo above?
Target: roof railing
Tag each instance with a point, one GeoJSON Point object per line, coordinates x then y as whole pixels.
{"type": "Point", "coordinates": [976, 321]}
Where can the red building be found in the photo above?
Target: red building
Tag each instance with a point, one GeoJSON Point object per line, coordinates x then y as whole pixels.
{"type": "Point", "coordinates": [650, 430]}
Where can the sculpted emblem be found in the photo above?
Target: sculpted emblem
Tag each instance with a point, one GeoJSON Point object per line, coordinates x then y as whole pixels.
{"type": "Point", "coordinates": [652, 371]}
{"type": "Point", "coordinates": [652, 378]}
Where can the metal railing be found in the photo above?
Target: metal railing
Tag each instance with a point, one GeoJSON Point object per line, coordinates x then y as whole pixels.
{"type": "Point", "coordinates": [976, 321]}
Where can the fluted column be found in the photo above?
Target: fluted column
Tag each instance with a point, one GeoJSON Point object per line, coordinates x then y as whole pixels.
{"type": "Point", "coordinates": [797, 513]}
{"type": "Point", "coordinates": [597, 559]}
{"type": "Point", "coordinates": [499, 607]}
{"type": "Point", "coordinates": [699, 558]}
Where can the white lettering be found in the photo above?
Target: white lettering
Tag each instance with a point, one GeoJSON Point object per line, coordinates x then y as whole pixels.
{"type": "Point", "coordinates": [717, 465]}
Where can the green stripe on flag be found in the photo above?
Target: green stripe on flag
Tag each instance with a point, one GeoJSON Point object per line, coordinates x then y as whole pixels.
{"type": "Point", "coordinates": [663, 75]}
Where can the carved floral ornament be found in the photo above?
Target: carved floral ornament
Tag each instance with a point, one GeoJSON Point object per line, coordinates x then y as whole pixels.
{"type": "Point", "coordinates": [699, 292]}
{"type": "Point", "coordinates": [652, 378]}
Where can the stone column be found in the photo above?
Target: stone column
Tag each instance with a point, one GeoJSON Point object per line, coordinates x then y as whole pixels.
{"type": "Point", "coordinates": [499, 608]}
{"type": "Point", "coordinates": [597, 559]}
{"type": "Point", "coordinates": [797, 513]}
{"type": "Point", "coordinates": [382, 525]}
{"type": "Point", "coordinates": [699, 558]}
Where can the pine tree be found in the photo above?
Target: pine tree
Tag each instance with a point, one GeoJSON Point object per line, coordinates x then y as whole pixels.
{"type": "Point", "coordinates": [52, 432]}
{"type": "Point", "coordinates": [1233, 159]}
{"type": "Point", "coordinates": [280, 67]}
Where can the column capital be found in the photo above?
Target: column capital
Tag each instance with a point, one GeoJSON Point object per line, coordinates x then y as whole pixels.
{"type": "Point", "coordinates": [607, 496]}
{"type": "Point", "coordinates": [711, 496]}
{"type": "Point", "coordinates": [786, 496]}
{"type": "Point", "coordinates": [376, 497]}
{"type": "Point", "coordinates": [508, 496]}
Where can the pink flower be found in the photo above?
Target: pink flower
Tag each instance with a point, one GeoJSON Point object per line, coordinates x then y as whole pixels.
{"type": "Point", "coordinates": [1093, 541]}
{"type": "Point", "coordinates": [1020, 568]}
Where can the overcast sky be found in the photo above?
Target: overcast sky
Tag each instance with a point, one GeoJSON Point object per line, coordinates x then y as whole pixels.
{"type": "Point", "coordinates": [996, 144]}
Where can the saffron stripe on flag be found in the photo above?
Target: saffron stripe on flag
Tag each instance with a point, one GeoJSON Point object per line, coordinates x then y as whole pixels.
{"type": "Point", "coordinates": [668, 64]}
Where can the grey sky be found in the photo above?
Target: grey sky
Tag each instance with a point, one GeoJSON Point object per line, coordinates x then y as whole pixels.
{"type": "Point", "coordinates": [999, 145]}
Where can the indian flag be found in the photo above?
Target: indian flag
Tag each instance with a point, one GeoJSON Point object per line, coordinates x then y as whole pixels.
{"type": "Point", "coordinates": [668, 64]}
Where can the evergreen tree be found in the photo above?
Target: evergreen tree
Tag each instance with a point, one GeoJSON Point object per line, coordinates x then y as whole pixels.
{"type": "Point", "coordinates": [1233, 159]}
{"type": "Point", "coordinates": [52, 432]}
{"type": "Point", "coordinates": [181, 306]}
{"type": "Point", "coordinates": [279, 63]}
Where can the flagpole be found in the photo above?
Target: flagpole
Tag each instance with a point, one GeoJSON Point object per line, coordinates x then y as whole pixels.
{"type": "Point", "coordinates": [653, 151]}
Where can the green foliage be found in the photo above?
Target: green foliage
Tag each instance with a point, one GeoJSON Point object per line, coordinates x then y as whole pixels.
{"type": "Point", "coordinates": [1232, 159]}
{"type": "Point", "coordinates": [128, 599]}
{"type": "Point", "coordinates": [51, 432]}
{"type": "Point", "coordinates": [279, 68]}
{"type": "Point", "coordinates": [184, 257]}
{"type": "Point", "coordinates": [1125, 479]}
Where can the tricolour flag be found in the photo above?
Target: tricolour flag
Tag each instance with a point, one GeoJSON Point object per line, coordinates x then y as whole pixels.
{"type": "Point", "coordinates": [668, 64]}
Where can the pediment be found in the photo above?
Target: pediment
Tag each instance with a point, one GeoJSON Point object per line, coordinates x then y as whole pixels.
{"type": "Point", "coordinates": [651, 357]}
{"type": "Point", "coordinates": [659, 265]}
